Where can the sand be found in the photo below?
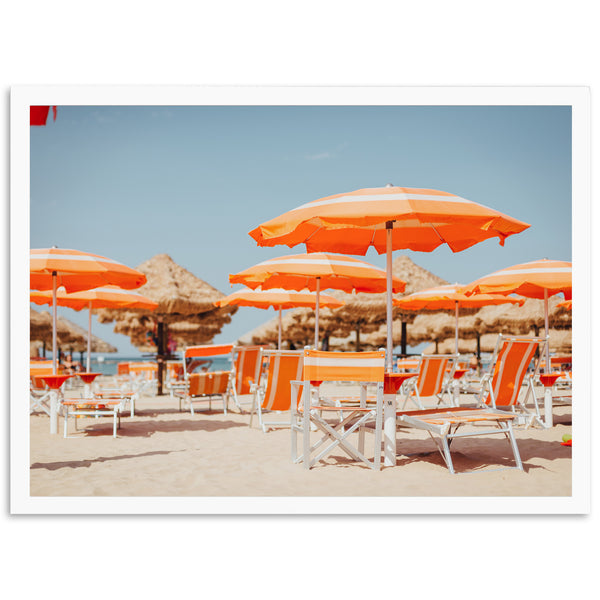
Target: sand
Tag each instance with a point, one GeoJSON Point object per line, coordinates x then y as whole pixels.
{"type": "Point", "coordinates": [163, 452]}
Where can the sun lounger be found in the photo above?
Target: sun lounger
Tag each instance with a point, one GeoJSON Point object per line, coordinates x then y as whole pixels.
{"type": "Point", "coordinates": [91, 408]}
{"type": "Point", "coordinates": [434, 379]}
{"type": "Point", "coordinates": [284, 366]}
{"type": "Point", "coordinates": [205, 386]}
{"type": "Point", "coordinates": [363, 368]}
{"type": "Point", "coordinates": [501, 399]}
{"type": "Point", "coordinates": [247, 367]}
{"type": "Point", "coordinates": [39, 392]}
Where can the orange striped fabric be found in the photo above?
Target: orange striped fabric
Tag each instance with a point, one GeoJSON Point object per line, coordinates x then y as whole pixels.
{"type": "Point", "coordinates": [512, 362]}
{"type": "Point", "coordinates": [246, 368]}
{"type": "Point", "coordinates": [208, 384]}
{"type": "Point", "coordinates": [77, 271]}
{"type": "Point", "coordinates": [146, 370]}
{"type": "Point", "coordinates": [39, 368]}
{"type": "Point", "coordinates": [123, 368]}
{"type": "Point", "coordinates": [438, 416]}
{"type": "Point", "coordinates": [431, 375]}
{"type": "Point", "coordinates": [354, 221]}
{"type": "Point", "coordinates": [283, 368]}
{"type": "Point", "coordinates": [408, 364]}
{"type": "Point", "coordinates": [344, 366]}
{"type": "Point", "coordinates": [208, 350]}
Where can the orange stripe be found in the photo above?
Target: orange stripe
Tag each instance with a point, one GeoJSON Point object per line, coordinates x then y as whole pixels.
{"type": "Point", "coordinates": [365, 366]}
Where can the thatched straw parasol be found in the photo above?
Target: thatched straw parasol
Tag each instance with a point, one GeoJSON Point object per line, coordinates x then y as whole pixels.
{"type": "Point", "coordinates": [181, 297]}
{"type": "Point", "coordinates": [560, 341]}
{"type": "Point", "coordinates": [79, 337]}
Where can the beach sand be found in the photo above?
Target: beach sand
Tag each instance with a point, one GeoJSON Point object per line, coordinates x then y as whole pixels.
{"type": "Point", "coordinates": [163, 452]}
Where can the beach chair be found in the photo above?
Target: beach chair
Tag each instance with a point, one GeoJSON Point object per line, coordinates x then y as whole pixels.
{"type": "Point", "coordinates": [204, 386]}
{"type": "Point", "coordinates": [284, 366]}
{"type": "Point", "coordinates": [434, 379]}
{"type": "Point", "coordinates": [92, 408]}
{"type": "Point", "coordinates": [501, 400]}
{"type": "Point", "coordinates": [247, 367]}
{"type": "Point", "coordinates": [502, 386]}
{"type": "Point", "coordinates": [39, 392]}
{"type": "Point", "coordinates": [363, 368]}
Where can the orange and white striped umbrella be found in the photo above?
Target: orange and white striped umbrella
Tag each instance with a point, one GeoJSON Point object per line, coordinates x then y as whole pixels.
{"type": "Point", "coordinates": [279, 299]}
{"type": "Point", "coordinates": [50, 268]}
{"type": "Point", "coordinates": [538, 279]}
{"type": "Point", "coordinates": [568, 304]}
{"type": "Point", "coordinates": [109, 296]}
{"type": "Point", "coordinates": [77, 271]}
{"type": "Point", "coordinates": [387, 218]}
{"type": "Point", "coordinates": [422, 219]}
{"type": "Point", "coordinates": [317, 271]}
{"type": "Point", "coordinates": [451, 297]}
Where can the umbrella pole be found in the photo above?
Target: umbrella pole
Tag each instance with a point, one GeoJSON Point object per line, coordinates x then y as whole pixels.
{"type": "Point", "coordinates": [54, 355]}
{"type": "Point", "coordinates": [456, 331]}
{"type": "Point", "coordinates": [89, 340]}
{"type": "Point", "coordinates": [279, 337]}
{"type": "Point", "coordinates": [317, 314]}
{"type": "Point", "coordinates": [548, 370]}
{"type": "Point", "coordinates": [389, 400]}
{"type": "Point", "coordinates": [388, 250]}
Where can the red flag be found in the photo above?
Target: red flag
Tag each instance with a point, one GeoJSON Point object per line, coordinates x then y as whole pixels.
{"type": "Point", "coordinates": [38, 115]}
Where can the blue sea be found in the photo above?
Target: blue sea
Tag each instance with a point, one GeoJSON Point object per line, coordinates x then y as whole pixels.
{"type": "Point", "coordinates": [107, 365]}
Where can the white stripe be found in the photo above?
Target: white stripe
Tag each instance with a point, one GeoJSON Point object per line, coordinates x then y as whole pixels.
{"type": "Point", "coordinates": [436, 291]}
{"type": "Point", "coordinates": [78, 257]}
{"type": "Point", "coordinates": [313, 361]}
{"type": "Point", "coordinates": [386, 198]}
{"type": "Point", "coordinates": [320, 261]}
{"type": "Point", "coordinates": [537, 271]}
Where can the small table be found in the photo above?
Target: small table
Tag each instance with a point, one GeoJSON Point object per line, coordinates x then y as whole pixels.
{"type": "Point", "coordinates": [391, 384]}
{"type": "Point", "coordinates": [54, 382]}
{"type": "Point", "coordinates": [87, 379]}
{"type": "Point", "coordinates": [548, 380]}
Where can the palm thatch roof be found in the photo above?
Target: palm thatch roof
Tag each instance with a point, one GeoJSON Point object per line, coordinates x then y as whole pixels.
{"type": "Point", "coordinates": [185, 304]}
{"type": "Point", "coordinates": [560, 341]}
{"type": "Point", "coordinates": [79, 340]}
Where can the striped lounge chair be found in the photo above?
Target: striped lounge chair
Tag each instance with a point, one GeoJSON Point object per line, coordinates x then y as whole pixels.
{"type": "Point", "coordinates": [501, 401]}
{"type": "Point", "coordinates": [284, 366]}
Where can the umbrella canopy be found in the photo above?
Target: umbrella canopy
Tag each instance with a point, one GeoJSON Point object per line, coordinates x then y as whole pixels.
{"type": "Point", "coordinates": [538, 279]}
{"type": "Point", "coordinates": [351, 223]}
{"type": "Point", "coordinates": [451, 297]}
{"type": "Point", "coordinates": [388, 218]}
{"type": "Point", "coordinates": [107, 296]}
{"type": "Point", "coordinates": [75, 271]}
{"type": "Point", "coordinates": [50, 268]}
{"type": "Point", "coordinates": [315, 272]}
{"type": "Point", "coordinates": [279, 299]}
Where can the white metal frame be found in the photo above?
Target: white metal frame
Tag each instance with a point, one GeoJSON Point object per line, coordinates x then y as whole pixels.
{"type": "Point", "coordinates": [411, 386]}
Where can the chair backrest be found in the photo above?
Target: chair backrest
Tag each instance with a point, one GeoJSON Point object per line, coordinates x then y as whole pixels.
{"type": "Point", "coordinates": [247, 367]}
{"type": "Point", "coordinates": [39, 368]}
{"type": "Point", "coordinates": [144, 370]}
{"type": "Point", "coordinates": [510, 362]}
{"type": "Point", "coordinates": [432, 369]}
{"type": "Point", "coordinates": [407, 364]}
{"type": "Point", "coordinates": [321, 365]}
{"type": "Point", "coordinates": [208, 384]}
{"type": "Point", "coordinates": [123, 368]}
{"type": "Point", "coordinates": [202, 352]}
{"type": "Point", "coordinates": [284, 366]}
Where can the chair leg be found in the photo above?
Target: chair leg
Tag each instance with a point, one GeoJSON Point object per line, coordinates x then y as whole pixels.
{"type": "Point", "coordinates": [447, 456]}
{"type": "Point", "coordinates": [513, 443]}
{"type": "Point", "coordinates": [306, 427]}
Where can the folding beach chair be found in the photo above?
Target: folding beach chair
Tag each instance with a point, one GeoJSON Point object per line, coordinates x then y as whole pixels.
{"type": "Point", "coordinates": [499, 398]}
{"type": "Point", "coordinates": [359, 367]}
{"type": "Point", "coordinates": [284, 366]}
{"type": "Point", "coordinates": [39, 392]}
{"type": "Point", "coordinates": [247, 367]}
{"type": "Point", "coordinates": [434, 379]}
{"type": "Point", "coordinates": [204, 386]}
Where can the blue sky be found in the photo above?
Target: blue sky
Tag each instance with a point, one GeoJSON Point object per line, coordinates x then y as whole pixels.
{"type": "Point", "coordinates": [131, 182]}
